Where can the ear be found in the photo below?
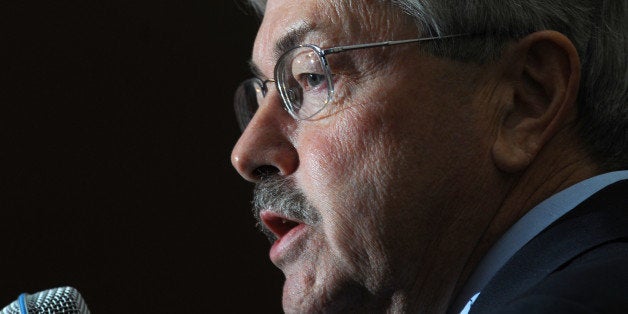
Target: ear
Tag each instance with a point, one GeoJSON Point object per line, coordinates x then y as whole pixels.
{"type": "Point", "coordinates": [543, 70]}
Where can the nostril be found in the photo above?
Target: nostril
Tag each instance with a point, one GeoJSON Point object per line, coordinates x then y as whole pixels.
{"type": "Point", "coordinates": [265, 171]}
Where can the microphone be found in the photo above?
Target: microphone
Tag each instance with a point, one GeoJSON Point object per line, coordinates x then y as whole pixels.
{"type": "Point", "coordinates": [62, 300]}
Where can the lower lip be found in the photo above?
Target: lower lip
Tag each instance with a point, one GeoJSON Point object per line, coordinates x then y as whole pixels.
{"type": "Point", "coordinates": [280, 248]}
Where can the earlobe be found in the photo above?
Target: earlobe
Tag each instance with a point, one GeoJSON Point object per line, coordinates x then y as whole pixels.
{"type": "Point", "coordinates": [509, 150]}
{"type": "Point", "coordinates": [543, 73]}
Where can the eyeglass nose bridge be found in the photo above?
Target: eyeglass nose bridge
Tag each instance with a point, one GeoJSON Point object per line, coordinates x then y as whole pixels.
{"type": "Point", "coordinates": [285, 103]}
{"type": "Point", "coordinates": [249, 98]}
{"type": "Point", "coordinates": [264, 86]}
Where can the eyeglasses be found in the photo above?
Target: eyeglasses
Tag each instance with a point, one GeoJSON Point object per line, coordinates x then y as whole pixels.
{"type": "Point", "coordinates": [303, 79]}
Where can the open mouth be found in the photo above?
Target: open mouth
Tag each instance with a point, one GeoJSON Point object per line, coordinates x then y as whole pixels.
{"type": "Point", "coordinates": [289, 235]}
{"type": "Point", "coordinates": [277, 224]}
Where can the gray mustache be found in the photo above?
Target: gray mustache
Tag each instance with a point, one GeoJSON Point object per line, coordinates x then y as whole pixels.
{"type": "Point", "coordinates": [282, 196]}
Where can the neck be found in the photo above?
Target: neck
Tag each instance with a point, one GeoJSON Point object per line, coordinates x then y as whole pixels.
{"type": "Point", "coordinates": [552, 171]}
{"type": "Point", "coordinates": [456, 252]}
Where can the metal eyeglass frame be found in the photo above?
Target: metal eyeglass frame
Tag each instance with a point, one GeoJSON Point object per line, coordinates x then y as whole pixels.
{"type": "Point", "coordinates": [322, 53]}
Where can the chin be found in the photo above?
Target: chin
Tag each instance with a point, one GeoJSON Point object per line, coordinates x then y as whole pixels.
{"type": "Point", "coordinates": [308, 295]}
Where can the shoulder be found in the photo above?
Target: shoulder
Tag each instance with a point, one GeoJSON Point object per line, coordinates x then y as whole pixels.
{"type": "Point", "coordinates": [594, 282]}
{"type": "Point", "coordinates": [577, 265]}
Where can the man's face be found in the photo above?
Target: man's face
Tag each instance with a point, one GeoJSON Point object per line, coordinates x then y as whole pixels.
{"type": "Point", "coordinates": [380, 175]}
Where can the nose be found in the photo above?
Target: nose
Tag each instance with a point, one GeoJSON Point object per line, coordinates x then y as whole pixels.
{"type": "Point", "coordinates": [265, 148]}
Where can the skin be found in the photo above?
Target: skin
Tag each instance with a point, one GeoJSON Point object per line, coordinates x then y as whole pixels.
{"type": "Point", "coordinates": [418, 165]}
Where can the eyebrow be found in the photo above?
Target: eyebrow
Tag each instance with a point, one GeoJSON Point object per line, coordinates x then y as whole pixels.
{"type": "Point", "coordinates": [291, 39]}
{"type": "Point", "coordinates": [255, 70]}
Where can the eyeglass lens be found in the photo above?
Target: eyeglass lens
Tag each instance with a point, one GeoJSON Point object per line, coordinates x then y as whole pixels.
{"type": "Point", "coordinates": [304, 83]}
{"type": "Point", "coordinates": [246, 101]}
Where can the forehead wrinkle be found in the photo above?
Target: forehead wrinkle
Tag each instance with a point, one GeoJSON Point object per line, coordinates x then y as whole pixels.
{"type": "Point", "coordinates": [362, 21]}
{"type": "Point", "coordinates": [334, 23]}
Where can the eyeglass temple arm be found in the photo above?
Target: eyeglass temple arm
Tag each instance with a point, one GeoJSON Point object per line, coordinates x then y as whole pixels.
{"type": "Point", "coordinates": [385, 43]}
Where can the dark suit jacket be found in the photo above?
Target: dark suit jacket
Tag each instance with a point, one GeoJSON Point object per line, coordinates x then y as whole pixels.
{"type": "Point", "coordinates": [579, 264]}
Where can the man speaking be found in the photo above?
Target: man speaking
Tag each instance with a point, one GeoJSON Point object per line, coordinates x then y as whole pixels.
{"type": "Point", "coordinates": [439, 156]}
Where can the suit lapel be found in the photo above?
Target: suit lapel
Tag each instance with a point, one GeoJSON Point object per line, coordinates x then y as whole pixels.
{"type": "Point", "coordinates": [601, 218]}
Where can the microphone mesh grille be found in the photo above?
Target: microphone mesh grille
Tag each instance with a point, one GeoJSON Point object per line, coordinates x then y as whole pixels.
{"type": "Point", "coordinates": [63, 300]}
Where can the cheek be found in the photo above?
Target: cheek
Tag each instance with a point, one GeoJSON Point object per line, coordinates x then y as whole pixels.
{"type": "Point", "coordinates": [344, 173]}
{"type": "Point", "coordinates": [344, 158]}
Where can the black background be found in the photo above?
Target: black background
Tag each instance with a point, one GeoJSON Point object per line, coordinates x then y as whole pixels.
{"type": "Point", "coordinates": [115, 130]}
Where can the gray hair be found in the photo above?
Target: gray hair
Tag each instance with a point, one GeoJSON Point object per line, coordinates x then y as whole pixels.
{"type": "Point", "coordinates": [598, 29]}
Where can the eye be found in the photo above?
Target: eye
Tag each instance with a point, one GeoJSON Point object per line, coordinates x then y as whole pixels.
{"type": "Point", "coordinates": [311, 81]}
{"type": "Point", "coordinates": [304, 81]}
{"type": "Point", "coordinates": [308, 70]}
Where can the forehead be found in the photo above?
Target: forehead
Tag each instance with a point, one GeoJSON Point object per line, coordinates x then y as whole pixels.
{"type": "Point", "coordinates": [325, 23]}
